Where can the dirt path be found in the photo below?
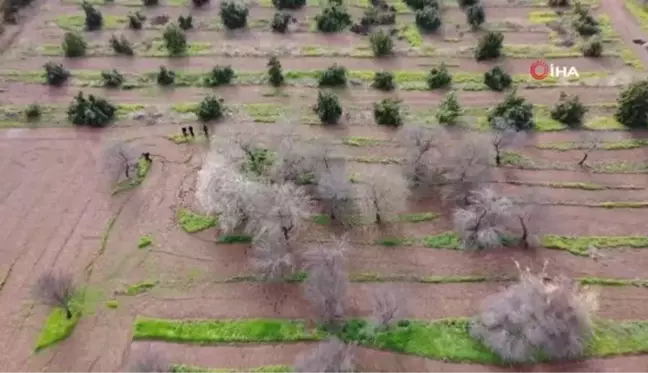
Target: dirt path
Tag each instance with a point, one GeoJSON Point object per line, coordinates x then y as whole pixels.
{"type": "Point", "coordinates": [627, 26]}
{"type": "Point", "coordinates": [24, 94]}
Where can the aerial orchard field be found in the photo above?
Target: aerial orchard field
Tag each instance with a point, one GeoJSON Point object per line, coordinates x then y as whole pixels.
{"type": "Point", "coordinates": [325, 185]}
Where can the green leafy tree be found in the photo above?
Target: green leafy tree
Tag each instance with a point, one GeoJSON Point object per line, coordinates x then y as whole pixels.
{"type": "Point", "coordinates": [514, 110]}
{"type": "Point", "coordinates": [165, 77]}
{"type": "Point", "coordinates": [381, 43]}
{"type": "Point", "coordinates": [275, 72]}
{"type": "Point", "coordinates": [334, 76]}
{"type": "Point", "coordinates": [428, 19]}
{"type": "Point", "coordinates": [74, 45]}
{"type": "Point", "coordinates": [569, 111]}
{"type": "Point", "coordinates": [497, 79]}
{"type": "Point", "coordinates": [384, 81]}
{"type": "Point", "coordinates": [175, 40]}
{"type": "Point", "coordinates": [475, 15]}
{"type": "Point", "coordinates": [449, 110]}
{"type": "Point", "coordinates": [55, 74]}
{"type": "Point", "coordinates": [439, 77]}
{"type": "Point", "coordinates": [220, 75]}
{"type": "Point", "coordinates": [288, 4]}
{"type": "Point", "coordinates": [388, 113]}
{"type": "Point", "coordinates": [328, 108]}
{"type": "Point", "coordinates": [211, 108]}
{"type": "Point", "coordinates": [94, 112]}
{"type": "Point", "coordinates": [233, 14]}
{"type": "Point", "coordinates": [334, 18]}
{"type": "Point", "coordinates": [633, 105]}
{"type": "Point", "coordinates": [489, 46]}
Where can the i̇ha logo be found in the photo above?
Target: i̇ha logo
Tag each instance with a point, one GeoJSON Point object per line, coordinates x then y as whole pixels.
{"type": "Point", "coordinates": [540, 70]}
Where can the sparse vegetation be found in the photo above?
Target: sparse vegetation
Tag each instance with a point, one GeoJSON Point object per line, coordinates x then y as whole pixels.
{"type": "Point", "coordinates": [55, 74]}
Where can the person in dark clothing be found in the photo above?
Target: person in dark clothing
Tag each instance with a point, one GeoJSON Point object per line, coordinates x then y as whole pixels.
{"type": "Point", "coordinates": [205, 130]}
{"type": "Point", "coordinates": [191, 132]}
{"type": "Point", "coordinates": [147, 157]}
{"type": "Point", "coordinates": [184, 131]}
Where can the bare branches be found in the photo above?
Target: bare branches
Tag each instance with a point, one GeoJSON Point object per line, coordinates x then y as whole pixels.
{"type": "Point", "coordinates": [55, 290]}
{"type": "Point", "coordinates": [533, 316]}
{"type": "Point", "coordinates": [388, 306]}
{"type": "Point", "coordinates": [482, 224]}
{"type": "Point", "coordinates": [504, 135]}
{"type": "Point", "coordinates": [384, 196]}
{"type": "Point", "coordinates": [294, 162]}
{"type": "Point", "coordinates": [590, 142]}
{"type": "Point", "coordinates": [149, 361]}
{"type": "Point", "coordinates": [273, 259]}
{"type": "Point", "coordinates": [330, 356]}
{"type": "Point", "coordinates": [119, 159]}
{"type": "Point", "coordinates": [336, 194]}
{"type": "Point", "coordinates": [327, 282]}
{"type": "Point", "coordinates": [423, 150]}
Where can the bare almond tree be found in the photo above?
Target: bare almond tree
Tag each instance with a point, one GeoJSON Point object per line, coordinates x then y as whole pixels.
{"type": "Point", "coordinates": [466, 167]}
{"type": "Point", "coordinates": [483, 223]}
{"type": "Point", "coordinates": [384, 196]}
{"type": "Point", "coordinates": [149, 361]}
{"type": "Point", "coordinates": [332, 355]}
{"type": "Point", "coordinates": [55, 290]}
{"type": "Point", "coordinates": [294, 162]}
{"type": "Point", "coordinates": [274, 260]}
{"type": "Point", "coordinates": [389, 305]}
{"type": "Point", "coordinates": [336, 194]}
{"type": "Point", "coordinates": [119, 159]}
{"type": "Point", "coordinates": [423, 150]}
{"type": "Point", "coordinates": [536, 315]}
{"type": "Point", "coordinates": [327, 282]}
{"type": "Point", "coordinates": [525, 212]}
{"type": "Point", "coordinates": [503, 136]}
{"type": "Point", "coordinates": [590, 141]}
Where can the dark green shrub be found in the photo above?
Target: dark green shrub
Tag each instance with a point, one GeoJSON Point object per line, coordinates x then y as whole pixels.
{"type": "Point", "coordinates": [211, 108]}
{"type": "Point", "coordinates": [275, 73]}
{"type": "Point", "coordinates": [558, 3]}
{"type": "Point", "coordinates": [420, 4]}
{"type": "Point", "coordinates": [74, 45]}
{"type": "Point", "coordinates": [175, 40]}
{"type": "Point", "coordinates": [334, 76]}
{"type": "Point", "coordinates": [439, 77]}
{"type": "Point", "coordinates": [233, 14]}
{"type": "Point", "coordinates": [593, 47]}
{"type": "Point", "coordinates": [185, 23]}
{"type": "Point", "coordinates": [150, 2]}
{"type": "Point", "coordinates": [370, 17]}
{"type": "Point", "coordinates": [569, 111]}
{"type": "Point", "coordinates": [33, 112]}
{"type": "Point", "coordinates": [334, 18]}
{"type": "Point", "coordinates": [112, 78]}
{"type": "Point", "coordinates": [388, 113]}
{"type": "Point", "coordinates": [93, 17]}
{"type": "Point", "coordinates": [633, 105]}
{"type": "Point", "coordinates": [200, 3]}
{"type": "Point", "coordinates": [449, 110]}
{"type": "Point", "coordinates": [465, 3]}
{"type": "Point", "coordinates": [280, 22]}
{"type": "Point", "coordinates": [121, 45]}
{"type": "Point", "coordinates": [428, 19]}
{"type": "Point", "coordinates": [489, 46]}
{"type": "Point", "coordinates": [220, 75]}
{"type": "Point", "coordinates": [165, 76]}
{"type": "Point", "coordinates": [328, 107]}
{"type": "Point", "coordinates": [381, 43]}
{"type": "Point", "coordinates": [475, 15]}
{"type": "Point", "coordinates": [384, 81]}
{"type": "Point", "coordinates": [514, 110]}
{"type": "Point", "coordinates": [583, 22]}
{"type": "Point", "coordinates": [95, 112]}
{"type": "Point", "coordinates": [497, 79]}
{"type": "Point", "coordinates": [288, 4]}
{"type": "Point", "coordinates": [136, 21]}
{"type": "Point", "coordinates": [56, 75]}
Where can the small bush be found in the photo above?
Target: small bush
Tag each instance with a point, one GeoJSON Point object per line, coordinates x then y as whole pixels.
{"type": "Point", "coordinates": [112, 78]}
{"type": "Point", "coordinates": [593, 47]}
{"type": "Point", "coordinates": [449, 110]}
{"type": "Point", "coordinates": [489, 46]}
{"type": "Point", "coordinates": [136, 21]}
{"type": "Point", "coordinates": [275, 73]}
{"type": "Point", "coordinates": [381, 43]}
{"type": "Point", "coordinates": [95, 112]}
{"type": "Point", "coordinates": [74, 45]}
{"type": "Point", "coordinates": [150, 2]}
{"type": "Point", "coordinates": [233, 14]}
{"type": "Point", "coordinates": [561, 3]}
{"type": "Point", "coordinates": [211, 108]}
{"type": "Point", "coordinates": [288, 4]}
{"type": "Point", "coordinates": [334, 18]}
{"type": "Point", "coordinates": [428, 19]}
{"type": "Point", "coordinates": [420, 4]}
{"type": "Point", "coordinates": [33, 112]}
{"type": "Point", "coordinates": [220, 75]}
{"type": "Point", "coordinates": [328, 107]}
{"type": "Point", "coordinates": [175, 40]}
{"type": "Point", "coordinates": [439, 77]}
{"type": "Point", "coordinates": [387, 113]}
{"type": "Point", "coordinates": [280, 22]}
{"type": "Point", "coordinates": [55, 75]}
{"type": "Point", "coordinates": [569, 111]}
{"type": "Point", "coordinates": [583, 22]}
{"type": "Point", "coordinates": [384, 81]}
{"type": "Point", "coordinates": [185, 23]}
{"type": "Point", "coordinates": [514, 110]}
{"type": "Point", "coordinates": [633, 105]}
{"type": "Point", "coordinates": [200, 3]}
{"type": "Point", "coordinates": [465, 3]}
{"type": "Point", "coordinates": [497, 79]}
{"type": "Point", "coordinates": [121, 45]}
{"type": "Point", "coordinates": [475, 15]}
{"type": "Point", "coordinates": [334, 76]}
{"type": "Point", "coordinates": [165, 76]}
{"type": "Point", "coordinates": [93, 17]}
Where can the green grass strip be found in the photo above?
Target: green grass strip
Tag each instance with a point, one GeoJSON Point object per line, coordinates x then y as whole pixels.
{"type": "Point", "coordinates": [182, 368]}
{"type": "Point", "coordinates": [57, 328]}
{"type": "Point", "coordinates": [607, 145]}
{"type": "Point", "coordinates": [192, 222]}
{"type": "Point", "coordinates": [403, 218]}
{"type": "Point", "coordinates": [140, 287]}
{"type": "Point", "coordinates": [144, 241]}
{"type": "Point", "coordinates": [143, 168]}
{"type": "Point", "coordinates": [574, 185]}
{"type": "Point", "coordinates": [224, 331]}
{"type": "Point", "coordinates": [447, 339]}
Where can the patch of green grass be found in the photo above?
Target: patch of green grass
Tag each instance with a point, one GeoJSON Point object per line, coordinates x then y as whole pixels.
{"type": "Point", "coordinates": [192, 222]}
{"type": "Point", "coordinates": [144, 241]}
{"type": "Point", "coordinates": [362, 141]}
{"type": "Point", "coordinates": [575, 185]}
{"type": "Point", "coordinates": [376, 277]}
{"type": "Point", "coordinates": [112, 303]}
{"type": "Point", "coordinates": [76, 22]}
{"type": "Point", "coordinates": [579, 245]}
{"type": "Point", "coordinates": [411, 34]}
{"type": "Point", "coordinates": [224, 331]}
{"type": "Point", "coordinates": [181, 368]}
{"type": "Point", "coordinates": [140, 287]}
{"type": "Point", "coordinates": [265, 113]}
{"type": "Point", "coordinates": [607, 145]}
{"type": "Point", "coordinates": [447, 240]}
{"type": "Point", "coordinates": [612, 282]}
{"type": "Point", "coordinates": [57, 327]}
{"type": "Point", "coordinates": [179, 139]}
{"type": "Point", "coordinates": [639, 11]}
{"type": "Point", "coordinates": [517, 160]}
{"type": "Point", "coordinates": [143, 168]}
{"type": "Point", "coordinates": [232, 238]}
